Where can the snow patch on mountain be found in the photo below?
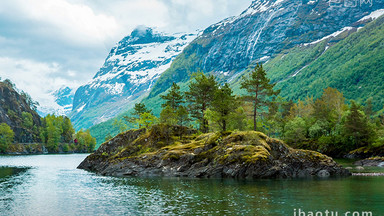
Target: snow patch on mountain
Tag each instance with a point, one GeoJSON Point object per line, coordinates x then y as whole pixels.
{"type": "Point", "coordinates": [130, 70]}
{"type": "Point", "coordinates": [139, 64]}
{"type": "Point", "coordinates": [374, 15]}
{"type": "Point", "coordinates": [333, 35]}
{"type": "Point", "coordinates": [60, 102]}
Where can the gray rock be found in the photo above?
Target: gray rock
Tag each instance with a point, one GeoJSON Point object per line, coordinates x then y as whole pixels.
{"type": "Point", "coordinates": [244, 155]}
{"type": "Point", "coordinates": [323, 173]}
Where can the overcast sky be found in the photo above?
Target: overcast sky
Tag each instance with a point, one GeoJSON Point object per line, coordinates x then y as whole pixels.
{"type": "Point", "coordinates": [45, 44]}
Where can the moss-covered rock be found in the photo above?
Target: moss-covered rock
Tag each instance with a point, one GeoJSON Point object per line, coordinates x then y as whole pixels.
{"type": "Point", "coordinates": [177, 151]}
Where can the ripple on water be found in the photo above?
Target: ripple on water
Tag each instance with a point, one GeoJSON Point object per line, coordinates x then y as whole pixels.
{"type": "Point", "coordinates": [55, 187]}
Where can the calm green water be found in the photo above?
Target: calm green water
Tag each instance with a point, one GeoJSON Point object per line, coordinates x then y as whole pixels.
{"type": "Point", "coordinates": [53, 186]}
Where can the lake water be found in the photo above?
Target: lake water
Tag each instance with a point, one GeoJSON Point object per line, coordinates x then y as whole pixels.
{"type": "Point", "coordinates": [51, 185]}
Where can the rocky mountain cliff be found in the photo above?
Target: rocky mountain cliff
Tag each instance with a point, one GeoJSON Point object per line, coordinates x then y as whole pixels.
{"type": "Point", "coordinates": [288, 36]}
{"type": "Point", "coordinates": [129, 72]}
{"type": "Point", "coordinates": [263, 30]}
{"type": "Point", "coordinates": [16, 111]}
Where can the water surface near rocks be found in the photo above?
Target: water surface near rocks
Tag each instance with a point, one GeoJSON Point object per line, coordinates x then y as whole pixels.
{"type": "Point", "coordinates": [51, 185]}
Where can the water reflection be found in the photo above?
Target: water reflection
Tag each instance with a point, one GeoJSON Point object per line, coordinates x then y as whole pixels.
{"type": "Point", "coordinates": [55, 187]}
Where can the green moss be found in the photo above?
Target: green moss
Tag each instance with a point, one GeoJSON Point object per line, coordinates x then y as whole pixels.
{"type": "Point", "coordinates": [313, 156]}
{"type": "Point", "coordinates": [173, 155]}
{"type": "Point", "coordinates": [376, 158]}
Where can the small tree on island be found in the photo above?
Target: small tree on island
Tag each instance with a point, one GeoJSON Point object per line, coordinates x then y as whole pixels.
{"type": "Point", "coordinates": [200, 96]}
{"type": "Point", "coordinates": [259, 91]}
{"type": "Point", "coordinates": [223, 105]}
{"type": "Point", "coordinates": [174, 98]}
{"type": "Point", "coordinates": [173, 111]}
{"type": "Point", "coordinates": [137, 114]}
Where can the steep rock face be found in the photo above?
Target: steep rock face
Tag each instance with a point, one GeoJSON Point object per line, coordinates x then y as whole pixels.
{"type": "Point", "coordinates": [12, 106]}
{"type": "Point", "coordinates": [130, 70]}
{"type": "Point", "coordinates": [263, 30]}
{"type": "Point", "coordinates": [175, 151]}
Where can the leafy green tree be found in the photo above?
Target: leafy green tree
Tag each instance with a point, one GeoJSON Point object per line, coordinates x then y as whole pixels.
{"type": "Point", "coordinates": [6, 136]}
{"type": "Point", "coordinates": [120, 125]}
{"type": "Point", "coordinates": [200, 96]}
{"type": "Point", "coordinates": [329, 107]}
{"type": "Point", "coordinates": [357, 129]}
{"type": "Point", "coordinates": [68, 130]}
{"type": "Point", "coordinates": [138, 110]}
{"type": "Point", "coordinates": [173, 111]}
{"type": "Point", "coordinates": [238, 119]}
{"type": "Point", "coordinates": [27, 120]}
{"type": "Point", "coordinates": [86, 143]}
{"type": "Point", "coordinates": [182, 115]}
{"type": "Point", "coordinates": [55, 130]}
{"type": "Point", "coordinates": [224, 103]}
{"type": "Point", "coordinates": [174, 98]}
{"type": "Point", "coordinates": [168, 116]}
{"type": "Point", "coordinates": [295, 130]}
{"type": "Point", "coordinates": [368, 109]}
{"type": "Point", "coordinates": [147, 120]}
{"type": "Point", "coordinates": [259, 91]}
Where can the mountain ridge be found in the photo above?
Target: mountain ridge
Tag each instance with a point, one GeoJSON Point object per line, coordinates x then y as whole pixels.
{"type": "Point", "coordinates": [129, 72]}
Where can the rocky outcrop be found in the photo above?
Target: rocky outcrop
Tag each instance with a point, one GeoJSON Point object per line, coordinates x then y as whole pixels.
{"type": "Point", "coordinates": [178, 151]}
{"type": "Point", "coordinates": [374, 161]}
{"type": "Point", "coordinates": [12, 106]}
{"type": "Point", "coordinates": [259, 33]}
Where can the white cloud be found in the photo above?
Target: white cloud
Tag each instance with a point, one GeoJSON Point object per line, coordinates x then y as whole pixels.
{"type": "Point", "coordinates": [36, 78]}
{"type": "Point", "coordinates": [49, 43]}
{"type": "Point", "coordinates": [77, 23]}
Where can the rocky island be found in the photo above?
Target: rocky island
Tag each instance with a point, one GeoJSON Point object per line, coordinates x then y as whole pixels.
{"type": "Point", "coordinates": [177, 151]}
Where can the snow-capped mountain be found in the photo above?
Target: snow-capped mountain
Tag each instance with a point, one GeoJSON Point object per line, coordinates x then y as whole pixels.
{"type": "Point", "coordinates": [129, 72]}
{"type": "Point", "coordinates": [64, 98]}
{"type": "Point", "coordinates": [263, 30]}
{"type": "Point", "coordinates": [61, 102]}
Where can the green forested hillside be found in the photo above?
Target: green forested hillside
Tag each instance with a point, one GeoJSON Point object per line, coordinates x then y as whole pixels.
{"type": "Point", "coordinates": [352, 63]}
{"type": "Point", "coordinates": [354, 66]}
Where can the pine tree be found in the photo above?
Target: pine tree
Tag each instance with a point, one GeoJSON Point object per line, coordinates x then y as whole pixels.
{"type": "Point", "coordinates": [174, 97]}
{"type": "Point", "coordinates": [357, 127]}
{"type": "Point", "coordinates": [200, 96]}
{"type": "Point", "coordinates": [173, 111]}
{"type": "Point", "coordinates": [259, 91]}
{"type": "Point", "coordinates": [224, 103]}
{"type": "Point", "coordinates": [182, 115]}
{"type": "Point", "coordinates": [138, 110]}
{"type": "Point", "coordinates": [168, 116]}
{"type": "Point", "coordinates": [368, 109]}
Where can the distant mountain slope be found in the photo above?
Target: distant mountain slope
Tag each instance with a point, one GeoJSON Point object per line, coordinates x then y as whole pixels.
{"type": "Point", "coordinates": [129, 72]}
{"type": "Point", "coordinates": [355, 66]}
{"type": "Point", "coordinates": [263, 30]}
{"type": "Point", "coordinates": [15, 110]}
{"type": "Point", "coordinates": [294, 35]}
{"type": "Point", "coordinates": [61, 104]}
